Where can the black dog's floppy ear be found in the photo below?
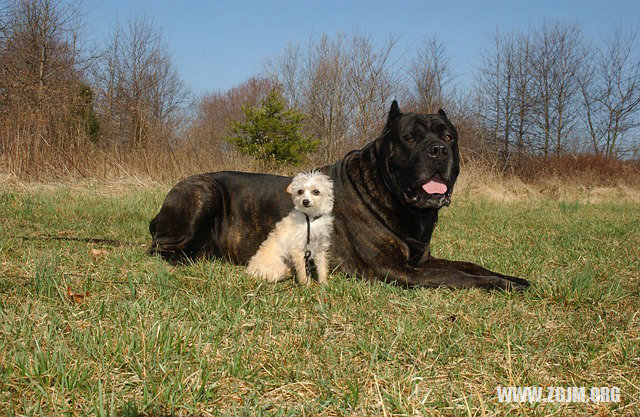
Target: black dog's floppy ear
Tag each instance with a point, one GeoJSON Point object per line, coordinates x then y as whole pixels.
{"type": "Point", "coordinates": [443, 114]}
{"type": "Point", "coordinates": [394, 114]}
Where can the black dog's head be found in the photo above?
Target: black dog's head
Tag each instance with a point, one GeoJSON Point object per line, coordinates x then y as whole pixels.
{"type": "Point", "coordinates": [420, 158]}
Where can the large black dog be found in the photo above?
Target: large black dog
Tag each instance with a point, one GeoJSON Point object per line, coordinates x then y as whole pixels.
{"type": "Point", "coordinates": [387, 197]}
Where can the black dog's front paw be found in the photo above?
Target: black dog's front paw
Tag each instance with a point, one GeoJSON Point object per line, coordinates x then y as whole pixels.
{"type": "Point", "coordinates": [516, 284]}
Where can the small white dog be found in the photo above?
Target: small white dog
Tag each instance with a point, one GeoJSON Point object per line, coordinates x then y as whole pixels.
{"type": "Point", "coordinates": [304, 233]}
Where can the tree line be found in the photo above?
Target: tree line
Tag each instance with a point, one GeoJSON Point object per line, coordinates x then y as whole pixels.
{"type": "Point", "coordinates": [546, 92]}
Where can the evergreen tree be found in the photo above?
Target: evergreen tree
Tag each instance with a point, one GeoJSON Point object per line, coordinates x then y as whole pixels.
{"type": "Point", "coordinates": [271, 132]}
{"type": "Point", "coordinates": [83, 112]}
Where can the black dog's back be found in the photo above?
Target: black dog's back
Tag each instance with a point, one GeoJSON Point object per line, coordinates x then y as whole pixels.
{"type": "Point", "coordinates": [223, 214]}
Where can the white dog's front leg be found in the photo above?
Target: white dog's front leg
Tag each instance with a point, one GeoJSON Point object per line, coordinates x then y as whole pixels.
{"type": "Point", "coordinates": [301, 272]}
{"type": "Point", "coordinates": [322, 267]}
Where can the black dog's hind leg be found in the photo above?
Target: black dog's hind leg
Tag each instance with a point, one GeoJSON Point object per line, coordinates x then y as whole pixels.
{"type": "Point", "coordinates": [183, 227]}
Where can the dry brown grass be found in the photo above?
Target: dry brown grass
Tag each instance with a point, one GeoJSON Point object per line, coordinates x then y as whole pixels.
{"type": "Point", "coordinates": [478, 181]}
{"type": "Point", "coordinates": [585, 178]}
{"type": "Point", "coordinates": [156, 163]}
{"type": "Point", "coordinates": [594, 169]}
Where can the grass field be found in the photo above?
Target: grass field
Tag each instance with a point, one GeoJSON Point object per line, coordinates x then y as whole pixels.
{"type": "Point", "coordinates": [204, 339]}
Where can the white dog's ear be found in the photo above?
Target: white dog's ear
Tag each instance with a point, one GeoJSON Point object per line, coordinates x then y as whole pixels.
{"type": "Point", "coordinates": [289, 189]}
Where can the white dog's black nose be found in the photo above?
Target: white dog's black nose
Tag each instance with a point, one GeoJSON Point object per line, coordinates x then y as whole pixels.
{"type": "Point", "coordinates": [306, 202]}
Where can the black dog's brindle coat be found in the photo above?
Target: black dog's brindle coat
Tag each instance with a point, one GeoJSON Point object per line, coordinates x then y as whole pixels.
{"type": "Point", "coordinates": [383, 218]}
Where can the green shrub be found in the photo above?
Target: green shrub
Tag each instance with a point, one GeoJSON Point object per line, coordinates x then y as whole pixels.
{"type": "Point", "coordinates": [272, 132]}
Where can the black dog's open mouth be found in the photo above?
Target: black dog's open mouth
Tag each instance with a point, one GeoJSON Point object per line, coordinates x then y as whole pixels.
{"type": "Point", "coordinates": [434, 191]}
{"type": "Point", "coordinates": [435, 185]}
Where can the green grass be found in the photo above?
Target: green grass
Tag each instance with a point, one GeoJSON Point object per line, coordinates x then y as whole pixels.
{"type": "Point", "coordinates": [204, 339]}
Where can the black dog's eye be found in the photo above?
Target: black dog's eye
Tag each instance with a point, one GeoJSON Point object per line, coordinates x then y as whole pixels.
{"type": "Point", "coordinates": [300, 192]}
{"type": "Point", "coordinates": [316, 192]}
{"type": "Point", "coordinates": [409, 139]}
{"type": "Point", "coordinates": [448, 138]}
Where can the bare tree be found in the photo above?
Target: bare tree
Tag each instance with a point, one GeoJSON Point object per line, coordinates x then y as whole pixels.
{"type": "Point", "coordinates": [44, 101]}
{"type": "Point", "coordinates": [287, 69]}
{"type": "Point", "coordinates": [140, 96]}
{"type": "Point", "coordinates": [342, 83]}
{"type": "Point", "coordinates": [524, 102]}
{"type": "Point", "coordinates": [496, 89]}
{"type": "Point", "coordinates": [4, 20]}
{"type": "Point", "coordinates": [528, 90]}
{"type": "Point", "coordinates": [216, 111]}
{"type": "Point", "coordinates": [327, 99]}
{"type": "Point", "coordinates": [610, 88]}
{"type": "Point", "coordinates": [431, 76]}
{"type": "Point", "coordinates": [372, 85]}
{"type": "Point", "coordinates": [557, 57]}
{"type": "Point", "coordinates": [40, 49]}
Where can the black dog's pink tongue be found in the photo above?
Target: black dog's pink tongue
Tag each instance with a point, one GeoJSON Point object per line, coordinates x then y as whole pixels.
{"type": "Point", "coordinates": [435, 185]}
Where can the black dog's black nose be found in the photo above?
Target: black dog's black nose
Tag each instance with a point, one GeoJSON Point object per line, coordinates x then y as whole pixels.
{"type": "Point", "coordinates": [306, 202]}
{"type": "Point", "coordinates": [437, 151]}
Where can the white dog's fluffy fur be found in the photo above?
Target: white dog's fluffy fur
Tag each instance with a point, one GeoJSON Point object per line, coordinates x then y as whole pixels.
{"type": "Point", "coordinates": [286, 244]}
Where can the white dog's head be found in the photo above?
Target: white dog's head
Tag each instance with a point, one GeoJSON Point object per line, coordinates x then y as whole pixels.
{"type": "Point", "coordinates": [312, 193]}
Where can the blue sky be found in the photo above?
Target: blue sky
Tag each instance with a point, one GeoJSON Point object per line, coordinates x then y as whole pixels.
{"type": "Point", "coordinates": [218, 44]}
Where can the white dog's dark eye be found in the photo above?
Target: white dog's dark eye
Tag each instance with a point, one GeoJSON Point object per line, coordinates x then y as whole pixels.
{"type": "Point", "coordinates": [300, 192]}
{"type": "Point", "coordinates": [316, 192]}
